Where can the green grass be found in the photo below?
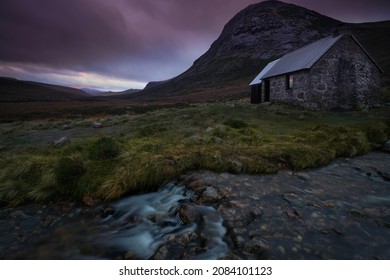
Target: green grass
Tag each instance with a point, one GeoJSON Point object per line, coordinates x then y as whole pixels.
{"type": "Point", "coordinates": [157, 146]}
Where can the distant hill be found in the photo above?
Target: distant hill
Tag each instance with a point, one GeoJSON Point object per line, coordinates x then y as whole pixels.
{"type": "Point", "coordinates": [12, 90]}
{"type": "Point", "coordinates": [258, 34]}
{"type": "Point", "coordinates": [94, 92]}
{"type": "Point", "coordinates": [154, 84]}
{"type": "Point", "coordinates": [91, 91]}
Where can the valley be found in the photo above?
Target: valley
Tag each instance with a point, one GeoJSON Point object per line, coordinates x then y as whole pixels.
{"type": "Point", "coordinates": [188, 168]}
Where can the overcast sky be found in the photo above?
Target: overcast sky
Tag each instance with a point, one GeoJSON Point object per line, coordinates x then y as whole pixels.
{"type": "Point", "coordinates": [121, 44]}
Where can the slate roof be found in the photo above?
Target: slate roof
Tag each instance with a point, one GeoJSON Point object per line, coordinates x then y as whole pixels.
{"type": "Point", "coordinates": [303, 58]}
{"type": "Point", "coordinates": [258, 78]}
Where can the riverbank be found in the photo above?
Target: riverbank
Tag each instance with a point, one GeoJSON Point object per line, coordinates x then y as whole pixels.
{"type": "Point", "coordinates": [341, 211]}
{"type": "Point", "coordinates": [105, 158]}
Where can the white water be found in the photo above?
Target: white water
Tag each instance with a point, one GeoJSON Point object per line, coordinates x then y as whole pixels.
{"type": "Point", "coordinates": [142, 223]}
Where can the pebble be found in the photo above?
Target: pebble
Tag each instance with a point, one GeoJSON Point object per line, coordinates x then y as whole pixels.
{"type": "Point", "coordinates": [298, 238]}
{"type": "Point", "coordinates": [282, 250]}
{"type": "Point", "coordinates": [19, 215]}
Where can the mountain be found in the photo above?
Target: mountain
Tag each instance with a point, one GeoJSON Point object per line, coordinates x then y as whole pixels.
{"type": "Point", "coordinates": [95, 92]}
{"type": "Point", "coordinates": [258, 34]}
{"type": "Point", "coordinates": [12, 90]}
{"type": "Point", "coordinates": [91, 91]}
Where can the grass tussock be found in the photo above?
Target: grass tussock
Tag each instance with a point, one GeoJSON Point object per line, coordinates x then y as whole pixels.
{"type": "Point", "coordinates": [155, 147]}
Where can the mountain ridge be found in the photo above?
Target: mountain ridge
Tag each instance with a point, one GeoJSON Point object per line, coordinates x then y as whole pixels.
{"type": "Point", "coordinates": [253, 37]}
{"type": "Point", "coordinates": [14, 90]}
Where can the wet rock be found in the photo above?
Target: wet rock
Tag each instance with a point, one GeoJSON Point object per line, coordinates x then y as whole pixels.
{"type": "Point", "coordinates": [303, 175]}
{"type": "Point", "coordinates": [385, 175]}
{"type": "Point", "coordinates": [66, 127]}
{"type": "Point", "coordinates": [130, 256]}
{"type": "Point", "coordinates": [386, 146]}
{"type": "Point", "coordinates": [7, 239]}
{"type": "Point", "coordinates": [236, 203]}
{"type": "Point", "coordinates": [168, 251]}
{"type": "Point", "coordinates": [230, 256]}
{"type": "Point", "coordinates": [357, 213]}
{"type": "Point", "coordinates": [5, 226]}
{"type": "Point", "coordinates": [186, 238]}
{"type": "Point", "coordinates": [281, 250]}
{"type": "Point", "coordinates": [195, 185]}
{"type": "Point", "coordinates": [188, 213]}
{"type": "Point", "coordinates": [298, 238]}
{"type": "Point", "coordinates": [256, 247]}
{"type": "Point", "coordinates": [330, 204]}
{"type": "Point", "coordinates": [293, 214]}
{"type": "Point", "coordinates": [29, 224]}
{"type": "Point", "coordinates": [61, 142]}
{"type": "Point", "coordinates": [162, 253]}
{"type": "Point", "coordinates": [19, 214]}
{"type": "Point", "coordinates": [338, 231]}
{"type": "Point", "coordinates": [209, 195]}
{"type": "Point", "coordinates": [383, 224]}
{"type": "Point", "coordinates": [293, 199]}
{"type": "Point", "coordinates": [88, 200]}
{"type": "Point", "coordinates": [50, 220]}
{"type": "Point", "coordinates": [107, 211]}
{"type": "Point", "coordinates": [238, 239]}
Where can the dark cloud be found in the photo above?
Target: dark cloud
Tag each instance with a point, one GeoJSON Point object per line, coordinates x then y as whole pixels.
{"type": "Point", "coordinates": [133, 39]}
{"type": "Point", "coordinates": [350, 10]}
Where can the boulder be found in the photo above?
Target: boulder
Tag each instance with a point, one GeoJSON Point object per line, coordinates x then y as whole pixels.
{"type": "Point", "coordinates": [188, 214]}
{"type": "Point", "coordinates": [61, 142]}
{"type": "Point", "coordinates": [256, 247]}
{"type": "Point", "coordinates": [97, 125]}
{"type": "Point", "coordinates": [196, 185]}
{"type": "Point", "coordinates": [209, 195]}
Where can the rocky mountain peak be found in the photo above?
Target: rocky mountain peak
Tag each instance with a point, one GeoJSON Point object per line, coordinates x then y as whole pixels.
{"type": "Point", "coordinates": [269, 29]}
{"type": "Point", "coordinates": [253, 37]}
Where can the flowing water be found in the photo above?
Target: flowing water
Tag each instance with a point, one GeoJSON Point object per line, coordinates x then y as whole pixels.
{"type": "Point", "coordinates": [340, 211]}
{"type": "Point", "coordinates": [134, 227]}
{"type": "Point", "coordinates": [141, 224]}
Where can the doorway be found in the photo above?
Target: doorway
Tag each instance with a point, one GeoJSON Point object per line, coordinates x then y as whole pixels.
{"type": "Point", "coordinates": [267, 89]}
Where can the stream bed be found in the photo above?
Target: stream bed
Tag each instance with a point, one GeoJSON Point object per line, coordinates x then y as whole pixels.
{"type": "Point", "coordinates": [340, 211]}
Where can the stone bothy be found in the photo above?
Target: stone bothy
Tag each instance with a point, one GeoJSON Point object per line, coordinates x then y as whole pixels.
{"type": "Point", "coordinates": [334, 72]}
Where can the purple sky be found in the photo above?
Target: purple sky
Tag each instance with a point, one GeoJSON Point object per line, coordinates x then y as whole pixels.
{"type": "Point", "coordinates": [121, 44]}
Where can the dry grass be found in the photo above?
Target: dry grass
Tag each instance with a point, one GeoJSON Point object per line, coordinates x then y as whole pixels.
{"type": "Point", "coordinates": [163, 144]}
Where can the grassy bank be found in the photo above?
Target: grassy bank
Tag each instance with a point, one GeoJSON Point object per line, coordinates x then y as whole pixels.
{"type": "Point", "coordinates": [145, 150]}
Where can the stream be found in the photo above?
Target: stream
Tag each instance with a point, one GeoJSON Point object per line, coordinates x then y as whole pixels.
{"type": "Point", "coordinates": [340, 211]}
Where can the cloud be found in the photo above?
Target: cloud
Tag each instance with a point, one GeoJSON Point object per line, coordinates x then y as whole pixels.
{"type": "Point", "coordinates": [76, 79]}
{"type": "Point", "coordinates": [131, 39]}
